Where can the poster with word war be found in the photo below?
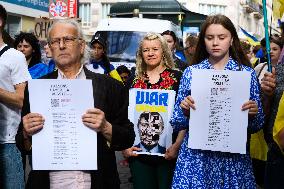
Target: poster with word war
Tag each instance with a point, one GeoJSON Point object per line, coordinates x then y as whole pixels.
{"type": "Point", "coordinates": [64, 143]}
{"type": "Point", "coordinates": [218, 123]}
{"type": "Point", "coordinates": [150, 111]}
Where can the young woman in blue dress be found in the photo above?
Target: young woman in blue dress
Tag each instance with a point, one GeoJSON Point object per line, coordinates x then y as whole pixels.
{"type": "Point", "coordinates": [218, 48]}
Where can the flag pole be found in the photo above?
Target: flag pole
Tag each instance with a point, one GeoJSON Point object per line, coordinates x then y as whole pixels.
{"type": "Point", "coordinates": [270, 32]}
{"type": "Point", "coordinates": [266, 36]}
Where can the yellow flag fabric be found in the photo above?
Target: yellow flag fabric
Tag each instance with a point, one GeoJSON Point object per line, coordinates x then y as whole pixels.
{"type": "Point", "coordinates": [279, 121]}
{"type": "Point", "coordinates": [252, 42]}
{"type": "Point", "coordinates": [278, 8]}
{"type": "Point", "coordinates": [258, 146]}
{"type": "Point", "coordinates": [253, 61]}
{"type": "Point", "coordinates": [114, 74]}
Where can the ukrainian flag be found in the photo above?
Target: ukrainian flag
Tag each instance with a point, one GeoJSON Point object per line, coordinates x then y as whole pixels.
{"type": "Point", "coordinates": [250, 38]}
{"type": "Point", "coordinates": [278, 9]}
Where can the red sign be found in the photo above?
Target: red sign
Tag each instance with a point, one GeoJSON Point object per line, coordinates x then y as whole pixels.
{"type": "Point", "coordinates": [72, 8]}
{"type": "Point", "coordinates": [63, 8]}
{"type": "Point", "coordinates": [58, 8]}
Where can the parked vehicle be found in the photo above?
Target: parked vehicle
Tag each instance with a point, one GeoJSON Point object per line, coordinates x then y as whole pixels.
{"type": "Point", "coordinates": [123, 36]}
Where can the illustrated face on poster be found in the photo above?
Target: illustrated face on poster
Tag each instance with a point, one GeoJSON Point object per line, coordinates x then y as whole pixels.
{"type": "Point", "coordinates": [150, 127]}
{"type": "Point", "coordinates": [150, 111]}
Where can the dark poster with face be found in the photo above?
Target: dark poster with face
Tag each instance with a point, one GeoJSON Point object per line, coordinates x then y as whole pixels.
{"type": "Point", "coordinates": [150, 111]}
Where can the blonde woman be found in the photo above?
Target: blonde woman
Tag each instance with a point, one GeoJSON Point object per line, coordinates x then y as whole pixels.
{"type": "Point", "coordinates": [154, 71]}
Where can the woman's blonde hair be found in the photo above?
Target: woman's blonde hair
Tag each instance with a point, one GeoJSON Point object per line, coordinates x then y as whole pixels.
{"type": "Point", "coordinates": [167, 58]}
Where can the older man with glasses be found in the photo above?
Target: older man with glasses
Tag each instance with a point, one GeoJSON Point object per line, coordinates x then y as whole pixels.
{"type": "Point", "coordinates": [109, 118]}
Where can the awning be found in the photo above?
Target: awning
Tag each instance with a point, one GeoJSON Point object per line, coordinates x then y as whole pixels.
{"type": "Point", "coordinates": [193, 19]}
{"type": "Point", "coordinates": [120, 8]}
{"type": "Point", "coordinates": [147, 7]}
{"type": "Point", "coordinates": [165, 9]}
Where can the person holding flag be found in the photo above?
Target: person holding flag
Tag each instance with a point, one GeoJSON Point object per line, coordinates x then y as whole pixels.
{"type": "Point", "coordinates": [272, 86]}
{"type": "Point", "coordinates": [258, 146]}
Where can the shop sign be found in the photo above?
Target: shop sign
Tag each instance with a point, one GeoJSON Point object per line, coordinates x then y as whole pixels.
{"type": "Point", "coordinates": [41, 27]}
{"type": "Point", "coordinates": [41, 5]}
{"type": "Point", "coordinates": [63, 8]}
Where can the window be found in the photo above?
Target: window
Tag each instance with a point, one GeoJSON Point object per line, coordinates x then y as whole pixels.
{"type": "Point", "coordinates": [13, 25]}
{"type": "Point", "coordinates": [105, 10]}
{"type": "Point", "coordinates": [208, 9]}
{"type": "Point", "coordinates": [122, 45]}
{"type": "Point", "coordinates": [85, 14]}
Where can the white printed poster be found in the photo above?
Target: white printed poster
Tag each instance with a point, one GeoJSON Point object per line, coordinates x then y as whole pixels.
{"type": "Point", "coordinates": [150, 111]}
{"type": "Point", "coordinates": [218, 123]}
{"type": "Point", "coordinates": [64, 143]}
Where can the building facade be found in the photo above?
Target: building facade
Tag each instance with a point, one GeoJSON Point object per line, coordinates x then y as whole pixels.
{"type": "Point", "coordinates": [22, 14]}
{"type": "Point", "coordinates": [91, 12]}
{"type": "Point", "coordinates": [243, 13]}
{"type": "Point", "coordinates": [247, 14]}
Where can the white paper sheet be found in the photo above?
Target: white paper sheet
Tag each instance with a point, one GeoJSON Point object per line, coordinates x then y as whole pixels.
{"type": "Point", "coordinates": [218, 123]}
{"type": "Point", "coordinates": [64, 143]}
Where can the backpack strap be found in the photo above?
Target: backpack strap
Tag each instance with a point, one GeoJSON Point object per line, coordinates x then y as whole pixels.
{"type": "Point", "coordinates": [4, 50]}
{"type": "Point", "coordinates": [261, 69]}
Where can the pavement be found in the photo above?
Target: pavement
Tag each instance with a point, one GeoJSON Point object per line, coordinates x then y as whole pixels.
{"type": "Point", "coordinates": [124, 172]}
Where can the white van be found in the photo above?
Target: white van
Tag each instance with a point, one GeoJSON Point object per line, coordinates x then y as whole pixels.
{"type": "Point", "coordinates": [124, 35]}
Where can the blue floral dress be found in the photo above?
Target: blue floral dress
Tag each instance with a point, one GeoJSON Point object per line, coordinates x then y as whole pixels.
{"type": "Point", "coordinates": [207, 169]}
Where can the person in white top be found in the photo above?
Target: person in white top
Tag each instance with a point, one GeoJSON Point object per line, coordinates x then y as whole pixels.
{"type": "Point", "coordinates": [13, 76]}
{"type": "Point", "coordinates": [276, 47]}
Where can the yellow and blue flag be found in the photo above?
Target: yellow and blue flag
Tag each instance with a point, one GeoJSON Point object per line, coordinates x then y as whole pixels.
{"type": "Point", "coordinates": [250, 38]}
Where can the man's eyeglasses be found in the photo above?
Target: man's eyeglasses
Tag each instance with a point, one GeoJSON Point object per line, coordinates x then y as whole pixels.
{"type": "Point", "coordinates": [67, 40]}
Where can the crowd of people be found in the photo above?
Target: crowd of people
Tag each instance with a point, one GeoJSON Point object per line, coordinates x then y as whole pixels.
{"type": "Point", "coordinates": [160, 64]}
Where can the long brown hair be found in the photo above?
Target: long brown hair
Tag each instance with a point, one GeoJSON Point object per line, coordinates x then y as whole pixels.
{"type": "Point", "coordinates": [235, 51]}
